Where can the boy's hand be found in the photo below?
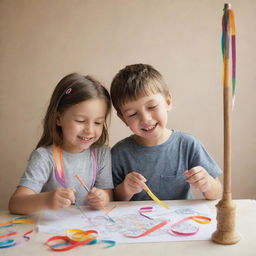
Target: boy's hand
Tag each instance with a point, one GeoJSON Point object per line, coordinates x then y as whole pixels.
{"type": "Point", "coordinates": [199, 178]}
{"type": "Point", "coordinates": [134, 183]}
{"type": "Point", "coordinates": [61, 198]}
{"type": "Point", "coordinates": [97, 198]}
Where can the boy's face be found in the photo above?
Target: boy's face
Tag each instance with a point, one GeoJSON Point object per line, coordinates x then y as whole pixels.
{"type": "Point", "coordinates": [147, 118]}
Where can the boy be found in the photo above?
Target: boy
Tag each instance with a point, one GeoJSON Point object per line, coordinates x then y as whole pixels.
{"type": "Point", "coordinates": [168, 160]}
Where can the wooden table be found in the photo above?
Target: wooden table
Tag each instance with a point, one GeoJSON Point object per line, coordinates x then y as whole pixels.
{"type": "Point", "coordinates": [245, 223]}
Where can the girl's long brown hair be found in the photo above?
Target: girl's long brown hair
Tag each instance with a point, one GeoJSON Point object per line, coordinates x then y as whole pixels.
{"type": "Point", "coordinates": [81, 88]}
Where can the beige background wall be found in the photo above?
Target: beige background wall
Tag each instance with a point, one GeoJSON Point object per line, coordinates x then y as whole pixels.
{"type": "Point", "coordinates": [43, 40]}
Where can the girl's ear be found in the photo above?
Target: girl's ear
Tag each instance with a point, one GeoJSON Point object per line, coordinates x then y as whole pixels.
{"type": "Point", "coordinates": [169, 102]}
{"type": "Point", "coordinates": [58, 119]}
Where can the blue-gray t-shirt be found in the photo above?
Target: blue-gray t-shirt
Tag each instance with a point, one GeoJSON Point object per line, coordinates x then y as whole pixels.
{"type": "Point", "coordinates": [40, 171]}
{"type": "Point", "coordinates": [162, 165]}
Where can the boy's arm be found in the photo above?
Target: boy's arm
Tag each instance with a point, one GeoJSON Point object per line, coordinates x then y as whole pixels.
{"type": "Point", "coordinates": [215, 190]}
{"type": "Point", "coordinates": [120, 193]}
{"type": "Point", "coordinates": [26, 201]}
{"type": "Point", "coordinates": [200, 179]}
{"type": "Point", "coordinates": [132, 184]}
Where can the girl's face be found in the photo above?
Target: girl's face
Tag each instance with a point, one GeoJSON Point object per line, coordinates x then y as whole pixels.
{"type": "Point", "coordinates": [82, 124]}
{"type": "Point", "coordinates": [147, 118]}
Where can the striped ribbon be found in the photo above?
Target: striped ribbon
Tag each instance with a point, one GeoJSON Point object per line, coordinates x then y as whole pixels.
{"type": "Point", "coordinates": [75, 238]}
{"type": "Point", "coordinates": [11, 242]}
{"type": "Point", "coordinates": [228, 43]}
{"type": "Point", "coordinates": [59, 170]}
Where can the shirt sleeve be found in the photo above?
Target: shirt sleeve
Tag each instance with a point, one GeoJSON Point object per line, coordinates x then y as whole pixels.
{"type": "Point", "coordinates": [200, 157]}
{"type": "Point", "coordinates": [37, 172]}
{"type": "Point", "coordinates": [117, 172]}
{"type": "Point", "coordinates": [104, 173]}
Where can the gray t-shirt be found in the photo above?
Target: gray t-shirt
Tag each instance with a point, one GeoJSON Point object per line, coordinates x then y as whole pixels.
{"type": "Point", "coordinates": [40, 172]}
{"type": "Point", "coordinates": [162, 165]}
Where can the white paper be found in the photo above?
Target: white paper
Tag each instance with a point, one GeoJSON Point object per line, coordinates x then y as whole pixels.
{"type": "Point", "coordinates": [129, 221]}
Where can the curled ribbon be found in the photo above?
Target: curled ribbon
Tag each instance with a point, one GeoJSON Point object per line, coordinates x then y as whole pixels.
{"type": "Point", "coordinates": [7, 243]}
{"type": "Point", "coordinates": [174, 227]}
{"type": "Point", "coordinates": [198, 219]}
{"type": "Point", "coordinates": [74, 238]}
{"type": "Point", "coordinates": [10, 242]}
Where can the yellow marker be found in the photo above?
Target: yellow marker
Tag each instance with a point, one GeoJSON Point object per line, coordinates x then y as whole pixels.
{"type": "Point", "coordinates": [150, 193]}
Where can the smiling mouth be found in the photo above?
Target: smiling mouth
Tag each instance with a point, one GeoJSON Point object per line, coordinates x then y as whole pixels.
{"type": "Point", "coordinates": [85, 138]}
{"type": "Point", "coordinates": [149, 128]}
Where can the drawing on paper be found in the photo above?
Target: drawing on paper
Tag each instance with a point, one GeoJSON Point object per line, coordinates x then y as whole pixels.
{"type": "Point", "coordinates": [128, 220]}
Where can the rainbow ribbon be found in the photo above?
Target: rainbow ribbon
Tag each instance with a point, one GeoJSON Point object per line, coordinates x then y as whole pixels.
{"type": "Point", "coordinates": [16, 220]}
{"type": "Point", "coordinates": [228, 43]}
{"type": "Point", "coordinates": [11, 242]}
{"type": "Point", "coordinates": [75, 238]}
{"type": "Point", "coordinates": [59, 171]}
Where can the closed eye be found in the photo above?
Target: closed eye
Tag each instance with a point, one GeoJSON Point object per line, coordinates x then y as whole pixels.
{"type": "Point", "coordinates": [134, 114]}
{"type": "Point", "coordinates": [152, 107]}
{"type": "Point", "coordinates": [80, 121]}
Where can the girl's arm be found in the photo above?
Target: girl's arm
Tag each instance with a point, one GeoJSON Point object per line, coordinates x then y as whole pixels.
{"type": "Point", "coordinates": [99, 198]}
{"type": "Point", "coordinates": [26, 201]}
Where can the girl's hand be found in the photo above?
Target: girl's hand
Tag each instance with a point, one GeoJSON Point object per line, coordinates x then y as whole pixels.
{"type": "Point", "coordinates": [199, 178]}
{"type": "Point", "coordinates": [61, 198]}
{"type": "Point", "coordinates": [134, 183]}
{"type": "Point", "coordinates": [98, 198]}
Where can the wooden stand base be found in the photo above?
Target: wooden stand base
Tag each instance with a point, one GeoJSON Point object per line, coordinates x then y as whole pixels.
{"type": "Point", "coordinates": [225, 233]}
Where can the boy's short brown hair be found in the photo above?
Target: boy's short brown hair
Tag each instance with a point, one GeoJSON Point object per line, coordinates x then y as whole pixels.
{"type": "Point", "coordinates": [135, 81]}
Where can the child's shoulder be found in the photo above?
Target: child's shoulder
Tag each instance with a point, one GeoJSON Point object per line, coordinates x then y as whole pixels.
{"type": "Point", "coordinates": [41, 153]}
{"type": "Point", "coordinates": [184, 136]}
{"type": "Point", "coordinates": [102, 150]}
{"type": "Point", "coordinates": [124, 143]}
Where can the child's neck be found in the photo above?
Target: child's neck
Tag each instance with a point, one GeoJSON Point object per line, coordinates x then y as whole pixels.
{"type": "Point", "coordinates": [154, 141]}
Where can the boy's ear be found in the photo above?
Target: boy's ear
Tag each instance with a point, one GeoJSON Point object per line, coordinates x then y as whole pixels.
{"type": "Point", "coordinates": [169, 101]}
{"type": "Point", "coordinates": [121, 117]}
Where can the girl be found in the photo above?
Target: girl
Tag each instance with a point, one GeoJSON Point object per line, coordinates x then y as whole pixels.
{"type": "Point", "coordinates": [72, 143]}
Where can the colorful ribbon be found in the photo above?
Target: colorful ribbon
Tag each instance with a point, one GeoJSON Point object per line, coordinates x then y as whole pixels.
{"type": "Point", "coordinates": [11, 242]}
{"type": "Point", "coordinates": [16, 220]}
{"type": "Point", "coordinates": [199, 219]}
{"type": "Point", "coordinates": [151, 194]}
{"type": "Point", "coordinates": [229, 40]}
{"type": "Point", "coordinates": [59, 170]}
{"type": "Point", "coordinates": [173, 230]}
{"type": "Point", "coordinates": [154, 228]}
{"type": "Point", "coordinates": [144, 210]}
{"type": "Point", "coordinates": [75, 238]}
